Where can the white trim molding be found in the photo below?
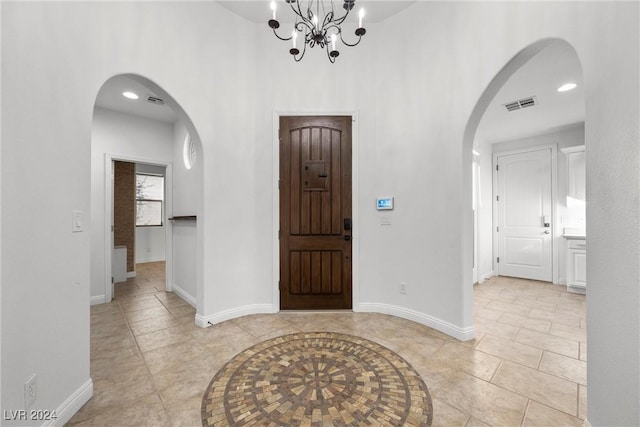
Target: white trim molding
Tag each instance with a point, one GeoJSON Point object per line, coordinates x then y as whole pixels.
{"type": "Point", "coordinates": [184, 295]}
{"type": "Point", "coordinates": [98, 299]}
{"type": "Point", "coordinates": [157, 258]}
{"type": "Point", "coordinates": [72, 405]}
{"type": "Point", "coordinates": [212, 319]}
{"type": "Point", "coordinates": [486, 276]}
{"type": "Point", "coordinates": [462, 334]}
{"type": "Point", "coordinates": [109, 158]}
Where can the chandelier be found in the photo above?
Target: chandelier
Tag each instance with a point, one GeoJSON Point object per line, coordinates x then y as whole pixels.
{"type": "Point", "coordinates": [319, 25]}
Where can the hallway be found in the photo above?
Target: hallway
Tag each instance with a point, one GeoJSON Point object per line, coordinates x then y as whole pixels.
{"type": "Point", "coordinates": [150, 364]}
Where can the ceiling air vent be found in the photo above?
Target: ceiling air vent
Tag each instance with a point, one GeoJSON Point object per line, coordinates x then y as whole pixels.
{"type": "Point", "coordinates": [520, 104]}
{"type": "Point", "coordinates": [155, 100]}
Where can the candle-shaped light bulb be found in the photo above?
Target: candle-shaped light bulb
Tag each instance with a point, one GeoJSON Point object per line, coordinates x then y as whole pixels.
{"type": "Point", "coordinates": [315, 21]}
{"type": "Point", "coordinates": [360, 16]}
{"type": "Point", "coordinates": [333, 42]}
{"type": "Point", "coordinates": [273, 8]}
{"type": "Point", "coordinates": [294, 36]}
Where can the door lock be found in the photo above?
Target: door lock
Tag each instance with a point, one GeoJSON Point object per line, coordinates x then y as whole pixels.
{"type": "Point", "coordinates": [347, 237]}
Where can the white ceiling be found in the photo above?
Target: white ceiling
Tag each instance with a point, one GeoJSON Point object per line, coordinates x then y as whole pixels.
{"type": "Point", "coordinates": [110, 96]}
{"type": "Point", "coordinates": [260, 12]}
{"type": "Point", "coordinates": [539, 77]}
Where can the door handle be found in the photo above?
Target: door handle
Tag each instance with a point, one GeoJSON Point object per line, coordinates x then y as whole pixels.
{"type": "Point", "coordinates": [347, 237]}
{"type": "Point", "coordinates": [547, 232]}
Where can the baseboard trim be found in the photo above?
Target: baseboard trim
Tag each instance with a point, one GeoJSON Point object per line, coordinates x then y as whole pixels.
{"type": "Point", "coordinates": [463, 334]}
{"type": "Point", "coordinates": [131, 274]}
{"type": "Point", "coordinates": [98, 299]}
{"type": "Point", "coordinates": [176, 289]}
{"type": "Point", "coordinates": [486, 276]}
{"type": "Point", "coordinates": [72, 405]}
{"type": "Point", "coordinates": [151, 259]}
{"type": "Point", "coordinates": [212, 319]}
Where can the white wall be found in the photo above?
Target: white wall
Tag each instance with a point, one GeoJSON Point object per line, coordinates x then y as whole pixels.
{"type": "Point", "coordinates": [150, 244]}
{"type": "Point", "coordinates": [568, 136]}
{"type": "Point", "coordinates": [0, 232]}
{"type": "Point", "coordinates": [187, 196]}
{"type": "Point", "coordinates": [414, 96]}
{"type": "Point", "coordinates": [51, 75]}
{"type": "Point", "coordinates": [613, 215]}
{"type": "Point", "coordinates": [150, 241]}
{"type": "Point", "coordinates": [129, 138]}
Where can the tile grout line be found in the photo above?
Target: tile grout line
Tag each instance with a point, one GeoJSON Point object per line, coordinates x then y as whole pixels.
{"type": "Point", "coordinates": [144, 361]}
{"type": "Point", "coordinates": [526, 410]}
{"type": "Point", "coordinates": [530, 399]}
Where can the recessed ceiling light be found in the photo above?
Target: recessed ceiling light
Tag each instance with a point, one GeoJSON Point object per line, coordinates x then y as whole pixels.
{"type": "Point", "coordinates": [566, 87]}
{"type": "Point", "coordinates": [130, 95]}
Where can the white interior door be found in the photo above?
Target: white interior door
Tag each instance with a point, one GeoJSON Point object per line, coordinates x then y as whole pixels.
{"type": "Point", "coordinates": [524, 215]}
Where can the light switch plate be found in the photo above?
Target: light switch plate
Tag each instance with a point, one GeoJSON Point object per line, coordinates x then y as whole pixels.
{"type": "Point", "coordinates": [77, 222]}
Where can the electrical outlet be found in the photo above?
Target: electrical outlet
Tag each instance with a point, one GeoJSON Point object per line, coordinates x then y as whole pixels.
{"type": "Point", "coordinates": [30, 391]}
{"type": "Point", "coordinates": [403, 287]}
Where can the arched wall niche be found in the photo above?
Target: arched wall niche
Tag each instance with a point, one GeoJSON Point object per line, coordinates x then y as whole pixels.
{"type": "Point", "coordinates": [179, 181]}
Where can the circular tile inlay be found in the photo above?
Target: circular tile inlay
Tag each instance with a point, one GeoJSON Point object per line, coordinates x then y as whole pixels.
{"type": "Point", "coordinates": [317, 378]}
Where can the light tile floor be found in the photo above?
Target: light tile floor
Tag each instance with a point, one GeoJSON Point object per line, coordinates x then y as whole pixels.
{"type": "Point", "coordinates": [151, 365]}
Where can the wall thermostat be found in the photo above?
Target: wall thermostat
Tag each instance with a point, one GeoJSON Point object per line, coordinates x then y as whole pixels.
{"type": "Point", "coordinates": [384, 203]}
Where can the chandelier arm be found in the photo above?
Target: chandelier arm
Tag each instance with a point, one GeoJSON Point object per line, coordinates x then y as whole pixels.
{"type": "Point", "coordinates": [304, 50]}
{"type": "Point", "coordinates": [328, 21]}
{"type": "Point", "coordinates": [309, 40]}
{"type": "Point", "coordinates": [349, 44]}
{"type": "Point", "coordinates": [332, 59]}
{"type": "Point", "coordinates": [298, 11]}
{"type": "Point", "coordinates": [340, 20]}
{"type": "Point", "coordinates": [300, 26]}
{"type": "Point", "coordinates": [337, 27]}
{"type": "Point", "coordinates": [281, 38]}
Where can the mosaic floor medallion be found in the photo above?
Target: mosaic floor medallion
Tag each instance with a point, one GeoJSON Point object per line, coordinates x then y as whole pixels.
{"type": "Point", "coordinates": [317, 379]}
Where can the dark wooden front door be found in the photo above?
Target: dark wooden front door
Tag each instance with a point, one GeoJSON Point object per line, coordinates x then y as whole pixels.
{"type": "Point", "coordinates": [315, 212]}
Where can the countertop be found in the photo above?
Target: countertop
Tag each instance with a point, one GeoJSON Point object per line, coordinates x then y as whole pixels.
{"type": "Point", "coordinates": [574, 233]}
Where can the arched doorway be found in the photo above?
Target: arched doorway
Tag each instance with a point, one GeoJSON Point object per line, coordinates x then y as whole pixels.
{"type": "Point", "coordinates": [503, 123]}
{"type": "Point", "coordinates": [138, 123]}
{"type": "Point", "coordinates": [555, 142]}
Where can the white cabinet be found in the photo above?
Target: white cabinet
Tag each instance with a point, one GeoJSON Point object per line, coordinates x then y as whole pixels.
{"type": "Point", "coordinates": [574, 217]}
{"type": "Point", "coordinates": [119, 264]}
{"type": "Point", "coordinates": [577, 266]}
{"type": "Point", "coordinates": [576, 175]}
